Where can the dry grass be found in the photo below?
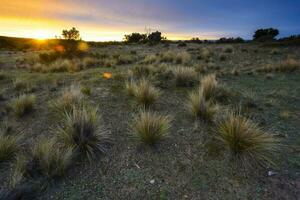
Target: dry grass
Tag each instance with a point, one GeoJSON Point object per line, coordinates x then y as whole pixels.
{"type": "Point", "coordinates": [130, 87]}
{"type": "Point", "coordinates": [84, 131]}
{"type": "Point", "coordinates": [248, 144]}
{"type": "Point", "coordinates": [70, 97]}
{"type": "Point", "coordinates": [145, 93]}
{"type": "Point", "coordinates": [9, 146]}
{"type": "Point", "coordinates": [184, 76]}
{"type": "Point", "coordinates": [209, 86]}
{"type": "Point", "coordinates": [23, 104]}
{"type": "Point", "coordinates": [289, 65]}
{"type": "Point", "coordinates": [50, 160]}
{"type": "Point", "coordinates": [150, 59]}
{"type": "Point", "coordinates": [150, 127]}
{"type": "Point", "coordinates": [199, 107]}
{"type": "Point", "coordinates": [183, 57]}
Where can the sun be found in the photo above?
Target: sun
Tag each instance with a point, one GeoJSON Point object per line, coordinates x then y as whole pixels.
{"type": "Point", "coordinates": [41, 34]}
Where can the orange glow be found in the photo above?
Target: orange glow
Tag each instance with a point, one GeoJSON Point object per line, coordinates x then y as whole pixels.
{"type": "Point", "coordinates": [107, 75]}
{"type": "Point", "coordinates": [60, 48]}
{"type": "Point", "coordinates": [83, 46]}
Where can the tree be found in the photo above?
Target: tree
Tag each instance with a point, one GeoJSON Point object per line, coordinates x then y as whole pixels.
{"type": "Point", "coordinates": [72, 34]}
{"type": "Point", "coordinates": [135, 38]}
{"type": "Point", "coordinates": [155, 37]}
{"type": "Point", "coordinates": [265, 34]}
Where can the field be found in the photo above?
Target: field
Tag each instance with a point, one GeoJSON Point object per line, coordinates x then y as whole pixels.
{"type": "Point", "coordinates": [261, 83]}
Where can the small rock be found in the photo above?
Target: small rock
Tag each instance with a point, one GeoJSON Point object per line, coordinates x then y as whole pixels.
{"type": "Point", "coordinates": [271, 173]}
{"type": "Point", "coordinates": [152, 181]}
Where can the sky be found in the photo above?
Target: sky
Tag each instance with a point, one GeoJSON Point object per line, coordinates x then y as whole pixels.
{"type": "Point", "coordinates": [108, 20]}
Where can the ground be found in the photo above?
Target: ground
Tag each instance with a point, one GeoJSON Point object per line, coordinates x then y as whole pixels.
{"type": "Point", "coordinates": [186, 165]}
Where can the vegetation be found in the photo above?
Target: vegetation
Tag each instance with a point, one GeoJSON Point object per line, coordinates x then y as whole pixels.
{"type": "Point", "coordinates": [23, 104]}
{"type": "Point", "coordinates": [9, 146]}
{"type": "Point", "coordinates": [248, 144]}
{"type": "Point", "coordinates": [150, 127]}
{"type": "Point", "coordinates": [209, 86]}
{"type": "Point", "coordinates": [265, 34]}
{"type": "Point", "coordinates": [144, 92]}
{"type": "Point", "coordinates": [185, 76]}
{"type": "Point", "coordinates": [84, 132]}
{"type": "Point", "coordinates": [200, 107]}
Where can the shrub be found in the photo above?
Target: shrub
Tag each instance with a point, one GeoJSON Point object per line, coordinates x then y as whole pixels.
{"type": "Point", "coordinates": [249, 145]}
{"type": "Point", "coordinates": [23, 104]}
{"type": "Point", "coordinates": [19, 170]}
{"type": "Point", "coordinates": [265, 34]}
{"type": "Point", "coordinates": [199, 107]}
{"type": "Point", "coordinates": [9, 146]}
{"type": "Point", "coordinates": [150, 127]}
{"type": "Point", "coordinates": [142, 71]}
{"type": "Point", "coordinates": [208, 86]}
{"type": "Point", "coordinates": [184, 76]}
{"type": "Point", "coordinates": [70, 97]}
{"type": "Point", "coordinates": [145, 93]}
{"type": "Point", "coordinates": [83, 131]}
{"type": "Point", "coordinates": [50, 160]}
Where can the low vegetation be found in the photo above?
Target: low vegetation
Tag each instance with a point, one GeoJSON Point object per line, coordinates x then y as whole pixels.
{"type": "Point", "coordinates": [84, 132]}
{"type": "Point", "coordinates": [23, 104]}
{"type": "Point", "coordinates": [185, 76]}
{"type": "Point", "coordinates": [150, 127]}
{"type": "Point", "coordinates": [248, 145]}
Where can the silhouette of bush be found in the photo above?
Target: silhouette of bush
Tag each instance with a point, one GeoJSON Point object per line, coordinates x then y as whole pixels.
{"type": "Point", "coordinates": [263, 35]}
{"type": "Point", "coordinates": [135, 38]}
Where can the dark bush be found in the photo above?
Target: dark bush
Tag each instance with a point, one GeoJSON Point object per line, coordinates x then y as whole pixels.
{"type": "Point", "coordinates": [263, 35]}
{"type": "Point", "coordinates": [230, 40]}
{"type": "Point", "coordinates": [135, 38]}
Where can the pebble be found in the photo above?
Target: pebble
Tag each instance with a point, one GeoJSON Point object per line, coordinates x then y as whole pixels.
{"type": "Point", "coordinates": [152, 181]}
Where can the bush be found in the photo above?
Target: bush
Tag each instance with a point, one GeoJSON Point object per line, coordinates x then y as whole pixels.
{"type": "Point", "coordinates": [185, 76]}
{"type": "Point", "coordinates": [265, 34]}
{"type": "Point", "coordinates": [50, 160]}
{"type": "Point", "coordinates": [145, 93]}
{"type": "Point", "coordinates": [83, 131]}
{"type": "Point", "coordinates": [228, 49]}
{"type": "Point", "coordinates": [168, 56]}
{"type": "Point", "coordinates": [289, 65]}
{"type": "Point", "coordinates": [142, 71]}
{"type": "Point", "coordinates": [205, 54]}
{"type": "Point", "coordinates": [209, 86]}
{"type": "Point", "coordinates": [199, 107]}
{"type": "Point", "coordinates": [150, 127]}
{"type": "Point", "coordinates": [135, 38]}
{"type": "Point", "coordinates": [23, 104]}
{"type": "Point", "coordinates": [9, 146]}
{"type": "Point", "coordinates": [249, 145]}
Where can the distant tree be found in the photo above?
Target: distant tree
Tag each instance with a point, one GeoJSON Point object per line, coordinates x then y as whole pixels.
{"type": "Point", "coordinates": [155, 37]}
{"type": "Point", "coordinates": [196, 40]}
{"type": "Point", "coordinates": [230, 40]}
{"type": "Point", "coordinates": [265, 34]}
{"type": "Point", "coordinates": [135, 38]}
{"type": "Point", "coordinates": [72, 34]}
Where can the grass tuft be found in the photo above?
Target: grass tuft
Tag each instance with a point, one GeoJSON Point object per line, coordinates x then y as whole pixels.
{"type": "Point", "coordinates": [145, 93]}
{"type": "Point", "coordinates": [208, 86]}
{"type": "Point", "coordinates": [83, 131]}
{"type": "Point", "coordinates": [51, 160]}
{"type": "Point", "coordinates": [248, 144]}
{"type": "Point", "coordinates": [23, 104]}
{"type": "Point", "coordinates": [150, 127]}
{"type": "Point", "coordinates": [199, 107]}
{"type": "Point", "coordinates": [185, 76]}
{"type": "Point", "coordinates": [9, 146]}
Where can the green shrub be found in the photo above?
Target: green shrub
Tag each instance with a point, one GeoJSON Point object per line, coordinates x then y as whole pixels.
{"type": "Point", "coordinates": [185, 76]}
{"type": "Point", "coordinates": [248, 144]}
{"type": "Point", "coordinates": [23, 104]}
{"type": "Point", "coordinates": [86, 90]}
{"type": "Point", "coordinates": [83, 131]}
{"type": "Point", "coordinates": [150, 127]}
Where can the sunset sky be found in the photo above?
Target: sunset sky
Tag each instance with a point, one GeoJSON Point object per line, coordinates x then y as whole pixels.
{"type": "Point", "coordinates": [102, 20]}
